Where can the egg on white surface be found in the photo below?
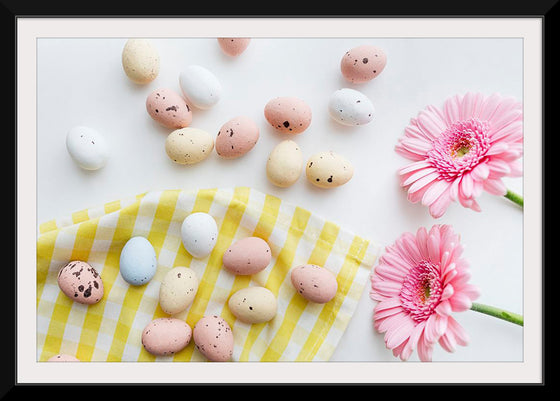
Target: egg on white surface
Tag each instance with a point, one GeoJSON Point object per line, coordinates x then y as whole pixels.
{"type": "Point", "coordinates": [288, 114]}
{"type": "Point", "coordinates": [189, 145]}
{"type": "Point", "coordinates": [328, 170]}
{"type": "Point", "coordinates": [138, 262]}
{"type": "Point", "coordinates": [140, 61]}
{"type": "Point", "coordinates": [284, 164]}
{"type": "Point", "coordinates": [237, 137]}
{"type": "Point", "coordinates": [233, 46]}
{"type": "Point", "coordinates": [168, 108]}
{"type": "Point", "coordinates": [199, 233]}
{"type": "Point", "coordinates": [200, 86]}
{"type": "Point", "coordinates": [87, 147]}
{"type": "Point", "coordinates": [350, 107]}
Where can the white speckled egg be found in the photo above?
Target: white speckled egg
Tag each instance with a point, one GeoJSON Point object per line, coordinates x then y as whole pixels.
{"type": "Point", "coordinates": [138, 262]}
{"type": "Point", "coordinates": [80, 282]}
{"type": "Point", "coordinates": [285, 164]}
{"type": "Point", "coordinates": [140, 61]}
{"type": "Point", "coordinates": [165, 336]}
{"type": "Point", "coordinates": [189, 145]}
{"type": "Point", "coordinates": [314, 283]}
{"type": "Point", "coordinates": [199, 234]}
{"type": "Point", "coordinates": [253, 304]}
{"type": "Point", "coordinates": [247, 256]}
{"type": "Point", "coordinates": [200, 86]}
{"type": "Point", "coordinates": [328, 170]}
{"type": "Point", "coordinates": [213, 338]}
{"type": "Point", "coordinates": [63, 358]}
{"type": "Point", "coordinates": [350, 107]}
{"type": "Point", "coordinates": [87, 147]}
{"type": "Point", "coordinates": [177, 290]}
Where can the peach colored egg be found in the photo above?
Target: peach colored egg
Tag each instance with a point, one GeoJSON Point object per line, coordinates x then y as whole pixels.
{"type": "Point", "coordinates": [314, 283]}
{"type": "Point", "coordinates": [168, 108]}
{"type": "Point", "coordinates": [288, 114]}
{"type": "Point", "coordinates": [166, 336]}
{"type": "Point", "coordinates": [236, 137]}
{"type": "Point", "coordinates": [63, 358]}
{"type": "Point", "coordinates": [363, 63]}
{"type": "Point", "coordinates": [247, 256]}
{"type": "Point", "coordinates": [80, 282]}
{"type": "Point", "coordinates": [213, 338]}
{"type": "Point", "coordinates": [233, 46]}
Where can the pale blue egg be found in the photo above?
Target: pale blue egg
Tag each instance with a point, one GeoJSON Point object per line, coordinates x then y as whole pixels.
{"type": "Point", "coordinates": [138, 261]}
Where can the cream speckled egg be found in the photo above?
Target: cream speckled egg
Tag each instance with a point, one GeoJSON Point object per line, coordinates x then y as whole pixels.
{"type": "Point", "coordinates": [233, 46]}
{"type": "Point", "coordinates": [199, 233]}
{"type": "Point", "coordinates": [253, 305]}
{"type": "Point", "coordinates": [80, 282]}
{"type": "Point", "coordinates": [166, 336]}
{"type": "Point", "coordinates": [168, 108]}
{"type": "Point", "coordinates": [363, 63]}
{"type": "Point", "coordinates": [177, 290]}
{"type": "Point", "coordinates": [213, 338]}
{"type": "Point", "coordinates": [328, 170]}
{"type": "Point", "coordinates": [236, 137]}
{"type": "Point", "coordinates": [247, 256]}
{"type": "Point", "coordinates": [314, 283]}
{"type": "Point", "coordinates": [63, 358]}
{"type": "Point", "coordinates": [289, 115]}
{"type": "Point", "coordinates": [350, 107]}
{"type": "Point", "coordinates": [200, 86]}
{"type": "Point", "coordinates": [285, 164]}
{"type": "Point", "coordinates": [87, 147]}
{"type": "Point", "coordinates": [189, 145]}
{"type": "Point", "coordinates": [140, 60]}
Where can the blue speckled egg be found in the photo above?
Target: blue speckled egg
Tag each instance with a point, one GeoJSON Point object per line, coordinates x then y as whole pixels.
{"type": "Point", "coordinates": [138, 261]}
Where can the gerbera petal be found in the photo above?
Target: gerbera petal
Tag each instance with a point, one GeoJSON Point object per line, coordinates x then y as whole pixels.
{"type": "Point", "coordinates": [495, 187]}
{"type": "Point", "coordinates": [497, 148]}
{"type": "Point", "coordinates": [433, 247]}
{"type": "Point", "coordinates": [399, 333]}
{"type": "Point", "coordinates": [443, 309]}
{"type": "Point", "coordinates": [422, 182]}
{"type": "Point", "coordinates": [499, 167]}
{"type": "Point", "coordinates": [419, 165]}
{"type": "Point", "coordinates": [511, 132]}
{"type": "Point", "coordinates": [431, 124]}
{"type": "Point", "coordinates": [460, 302]}
{"type": "Point", "coordinates": [434, 191]}
{"type": "Point", "coordinates": [480, 172]}
{"type": "Point", "coordinates": [447, 342]}
{"type": "Point", "coordinates": [412, 341]}
{"type": "Point", "coordinates": [440, 205]}
{"type": "Point", "coordinates": [417, 146]}
{"type": "Point", "coordinates": [489, 106]}
{"type": "Point", "coordinates": [386, 288]}
{"type": "Point", "coordinates": [467, 186]}
{"type": "Point", "coordinates": [470, 105]}
{"type": "Point", "coordinates": [454, 189]}
{"type": "Point", "coordinates": [516, 169]}
{"type": "Point", "coordinates": [455, 329]}
{"type": "Point", "coordinates": [425, 349]}
{"type": "Point", "coordinates": [421, 242]}
{"type": "Point", "coordinates": [416, 176]}
{"type": "Point", "coordinates": [452, 110]}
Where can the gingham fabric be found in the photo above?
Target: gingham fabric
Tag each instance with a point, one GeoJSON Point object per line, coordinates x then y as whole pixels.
{"type": "Point", "coordinates": [111, 329]}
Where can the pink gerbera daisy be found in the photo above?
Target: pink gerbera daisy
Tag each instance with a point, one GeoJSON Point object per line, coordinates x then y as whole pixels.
{"type": "Point", "coordinates": [419, 282]}
{"type": "Point", "coordinates": [461, 150]}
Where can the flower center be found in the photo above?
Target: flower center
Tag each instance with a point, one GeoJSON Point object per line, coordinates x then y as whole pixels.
{"type": "Point", "coordinates": [459, 148]}
{"type": "Point", "coordinates": [421, 291]}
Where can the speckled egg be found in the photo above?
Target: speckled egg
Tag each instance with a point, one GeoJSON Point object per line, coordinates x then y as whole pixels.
{"type": "Point", "coordinates": [80, 282]}
{"type": "Point", "coordinates": [213, 338]}
{"type": "Point", "coordinates": [350, 107]}
{"type": "Point", "coordinates": [63, 358]}
{"type": "Point", "coordinates": [314, 283]}
{"type": "Point", "coordinates": [284, 164]}
{"type": "Point", "coordinates": [177, 290]}
{"type": "Point", "coordinates": [253, 305]}
{"type": "Point", "coordinates": [363, 63]}
{"type": "Point", "coordinates": [168, 108]}
{"type": "Point", "coordinates": [140, 61]}
{"type": "Point", "coordinates": [233, 46]}
{"type": "Point", "coordinates": [199, 233]}
{"type": "Point", "coordinates": [189, 145]}
{"type": "Point", "coordinates": [236, 137]}
{"type": "Point", "coordinates": [165, 336]}
{"type": "Point", "coordinates": [138, 262]}
{"type": "Point", "coordinates": [247, 256]}
{"type": "Point", "coordinates": [200, 86]}
{"type": "Point", "coordinates": [87, 147]}
{"type": "Point", "coordinates": [288, 114]}
{"type": "Point", "coordinates": [328, 170]}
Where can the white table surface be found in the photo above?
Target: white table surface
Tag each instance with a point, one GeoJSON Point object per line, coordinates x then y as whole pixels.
{"type": "Point", "coordinates": [81, 82]}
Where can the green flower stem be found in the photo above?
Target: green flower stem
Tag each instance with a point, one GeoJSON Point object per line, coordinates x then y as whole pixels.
{"type": "Point", "coordinates": [497, 312]}
{"type": "Point", "coordinates": [516, 198]}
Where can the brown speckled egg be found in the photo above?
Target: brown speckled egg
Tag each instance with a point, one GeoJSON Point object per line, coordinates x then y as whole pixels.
{"type": "Point", "coordinates": [213, 338]}
{"type": "Point", "coordinates": [314, 283]}
{"type": "Point", "coordinates": [363, 63]}
{"type": "Point", "coordinates": [80, 282]}
{"type": "Point", "coordinates": [233, 46]}
{"type": "Point", "coordinates": [168, 108]}
{"type": "Point", "coordinates": [166, 336]}
{"type": "Point", "coordinates": [63, 358]}
{"type": "Point", "coordinates": [247, 256]}
{"type": "Point", "coordinates": [236, 137]}
{"type": "Point", "coordinates": [289, 115]}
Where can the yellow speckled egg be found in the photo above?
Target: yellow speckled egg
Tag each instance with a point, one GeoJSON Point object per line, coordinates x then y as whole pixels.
{"type": "Point", "coordinates": [328, 170]}
{"type": "Point", "coordinates": [140, 61]}
{"type": "Point", "coordinates": [189, 145]}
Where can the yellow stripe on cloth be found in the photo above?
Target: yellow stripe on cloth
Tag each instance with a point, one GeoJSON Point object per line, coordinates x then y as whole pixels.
{"type": "Point", "coordinates": [111, 329]}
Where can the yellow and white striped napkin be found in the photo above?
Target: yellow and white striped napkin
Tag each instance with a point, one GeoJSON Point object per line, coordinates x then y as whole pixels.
{"type": "Point", "coordinates": [111, 329]}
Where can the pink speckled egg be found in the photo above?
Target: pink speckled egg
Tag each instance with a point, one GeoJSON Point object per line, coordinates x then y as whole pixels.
{"type": "Point", "coordinates": [213, 338]}
{"type": "Point", "coordinates": [237, 137]}
{"type": "Point", "coordinates": [233, 46]}
{"type": "Point", "coordinates": [247, 256]}
{"type": "Point", "coordinates": [363, 63]}
{"type": "Point", "coordinates": [168, 108]}
{"type": "Point", "coordinates": [166, 336]}
{"type": "Point", "coordinates": [80, 282]}
{"type": "Point", "coordinates": [63, 358]}
{"type": "Point", "coordinates": [288, 114]}
{"type": "Point", "coordinates": [314, 283]}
